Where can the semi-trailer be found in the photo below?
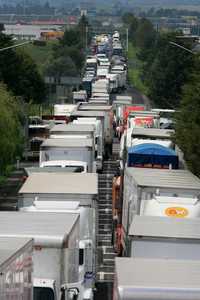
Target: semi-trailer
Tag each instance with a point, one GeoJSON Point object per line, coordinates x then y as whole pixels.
{"type": "Point", "coordinates": [55, 254]}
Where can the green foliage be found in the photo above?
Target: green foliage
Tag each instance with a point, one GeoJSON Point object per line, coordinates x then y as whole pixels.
{"type": "Point", "coordinates": [188, 123]}
{"type": "Point", "coordinates": [167, 71]}
{"type": "Point", "coordinates": [11, 141]}
{"type": "Point", "coordinates": [68, 56]}
{"type": "Point", "coordinates": [20, 73]}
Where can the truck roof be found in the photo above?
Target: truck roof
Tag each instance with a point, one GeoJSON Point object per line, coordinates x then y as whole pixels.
{"type": "Point", "coordinates": [67, 142]}
{"type": "Point", "coordinates": [72, 128]}
{"type": "Point", "coordinates": [45, 228]}
{"type": "Point", "coordinates": [174, 179]}
{"type": "Point", "coordinates": [139, 279]}
{"type": "Point", "coordinates": [61, 183]}
{"type": "Point", "coordinates": [88, 113]}
{"type": "Point", "coordinates": [11, 246]}
{"type": "Point", "coordinates": [153, 226]}
{"type": "Point", "coordinates": [152, 132]}
{"type": "Point", "coordinates": [94, 107]}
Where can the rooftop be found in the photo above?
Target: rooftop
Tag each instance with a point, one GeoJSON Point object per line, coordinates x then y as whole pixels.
{"type": "Point", "coordinates": [61, 183]}
{"type": "Point", "coordinates": [151, 226]}
{"type": "Point", "coordinates": [174, 179]}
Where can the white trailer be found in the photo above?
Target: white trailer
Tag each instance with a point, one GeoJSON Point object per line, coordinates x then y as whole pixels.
{"type": "Point", "coordinates": [99, 145]}
{"type": "Point", "coordinates": [107, 122]}
{"type": "Point", "coordinates": [16, 268]}
{"type": "Point", "coordinates": [69, 149]}
{"type": "Point", "coordinates": [59, 187]}
{"type": "Point", "coordinates": [168, 238]}
{"type": "Point", "coordinates": [87, 243]}
{"type": "Point", "coordinates": [64, 110]}
{"type": "Point", "coordinates": [136, 136]}
{"type": "Point", "coordinates": [169, 193]}
{"type": "Point", "coordinates": [56, 250]}
{"type": "Point", "coordinates": [113, 79]}
{"type": "Point", "coordinates": [157, 279]}
{"type": "Point", "coordinates": [80, 96]}
{"type": "Point", "coordinates": [72, 130]}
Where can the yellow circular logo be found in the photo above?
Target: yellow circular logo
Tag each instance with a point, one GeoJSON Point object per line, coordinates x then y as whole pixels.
{"type": "Point", "coordinates": [177, 212]}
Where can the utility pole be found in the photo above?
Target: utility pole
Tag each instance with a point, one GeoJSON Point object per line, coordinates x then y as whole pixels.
{"type": "Point", "coordinates": [127, 39]}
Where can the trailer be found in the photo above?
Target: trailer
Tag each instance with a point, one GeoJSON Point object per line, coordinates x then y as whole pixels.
{"type": "Point", "coordinates": [99, 144]}
{"type": "Point", "coordinates": [167, 238]}
{"type": "Point", "coordinates": [56, 250]}
{"type": "Point", "coordinates": [179, 190]}
{"type": "Point", "coordinates": [157, 279]}
{"type": "Point", "coordinates": [16, 268]}
{"type": "Point", "coordinates": [108, 122]}
{"type": "Point", "coordinates": [77, 151]}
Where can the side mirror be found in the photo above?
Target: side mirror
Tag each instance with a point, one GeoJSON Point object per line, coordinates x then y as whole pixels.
{"type": "Point", "coordinates": [69, 293]}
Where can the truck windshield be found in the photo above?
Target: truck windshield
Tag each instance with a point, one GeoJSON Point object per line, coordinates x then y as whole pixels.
{"type": "Point", "coordinates": [41, 293]}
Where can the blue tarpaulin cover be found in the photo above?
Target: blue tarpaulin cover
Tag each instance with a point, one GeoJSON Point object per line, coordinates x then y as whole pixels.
{"type": "Point", "coordinates": [150, 153]}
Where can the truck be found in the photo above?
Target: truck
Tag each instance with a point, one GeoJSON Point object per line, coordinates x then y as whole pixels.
{"type": "Point", "coordinates": [113, 79]}
{"type": "Point", "coordinates": [97, 110]}
{"type": "Point", "coordinates": [87, 243]}
{"type": "Point", "coordinates": [55, 251]}
{"type": "Point", "coordinates": [79, 96]}
{"type": "Point", "coordinates": [16, 268]}
{"type": "Point", "coordinates": [79, 152]}
{"type": "Point", "coordinates": [158, 279]}
{"type": "Point", "coordinates": [167, 238]}
{"type": "Point", "coordinates": [179, 190]}
{"type": "Point", "coordinates": [150, 147]}
{"type": "Point", "coordinates": [99, 145]}
{"type": "Point", "coordinates": [152, 155]}
{"type": "Point", "coordinates": [74, 198]}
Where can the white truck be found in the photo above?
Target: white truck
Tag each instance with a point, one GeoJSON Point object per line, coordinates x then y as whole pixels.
{"type": "Point", "coordinates": [113, 79]}
{"type": "Point", "coordinates": [64, 110]}
{"type": "Point", "coordinates": [56, 251]}
{"type": "Point", "coordinates": [157, 279]}
{"type": "Point", "coordinates": [16, 268]}
{"type": "Point", "coordinates": [80, 96]}
{"type": "Point", "coordinates": [167, 238]}
{"type": "Point", "coordinates": [99, 145]}
{"type": "Point", "coordinates": [72, 197]}
{"type": "Point", "coordinates": [107, 122]}
{"type": "Point", "coordinates": [166, 193]}
{"type": "Point", "coordinates": [87, 247]}
{"type": "Point", "coordinates": [78, 151]}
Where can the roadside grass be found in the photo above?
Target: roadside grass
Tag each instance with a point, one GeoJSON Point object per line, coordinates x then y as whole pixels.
{"type": "Point", "coordinates": [135, 70]}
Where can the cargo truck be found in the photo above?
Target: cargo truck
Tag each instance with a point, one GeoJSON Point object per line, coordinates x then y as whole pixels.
{"type": "Point", "coordinates": [178, 191]}
{"type": "Point", "coordinates": [87, 243]}
{"type": "Point", "coordinates": [99, 144]}
{"type": "Point", "coordinates": [157, 279]}
{"type": "Point", "coordinates": [167, 238]}
{"type": "Point", "coordinates": [71, 197]}
{"type": "Point", "coordinates": [56, 252]}
{"type": "Point", "coordinates": [77, 151]}
{"type": "Point", "coordinates": [108, 123]}
{"type": "Point", "coordinates": [16, 268]}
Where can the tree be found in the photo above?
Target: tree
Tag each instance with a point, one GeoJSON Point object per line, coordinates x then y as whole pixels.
{"type": "Point", "coordinates": [11, 141]}
{"type": "Point", "coordinates": [168, 72]}
{"type": "Point", "coordinates": [188, 123]}
{"type": "Point", "coordinates": [20, 73]}
{"type": "Point", "coordinates": [60, 67]}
